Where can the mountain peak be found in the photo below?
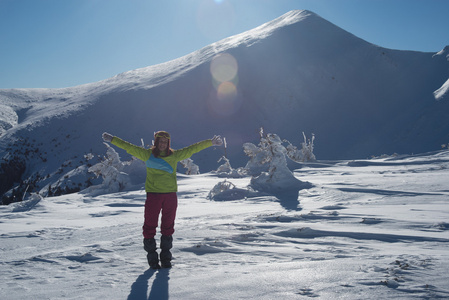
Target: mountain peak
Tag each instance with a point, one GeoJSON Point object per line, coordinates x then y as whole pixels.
{"type": "Point", "coordinates": [159, 73]}
{"type": "Point", "coordinates": [289, 18]}
{"type": "Point", "coordinates": [294, 16]}
{"type": "Point", "coordinates": [445, 52]}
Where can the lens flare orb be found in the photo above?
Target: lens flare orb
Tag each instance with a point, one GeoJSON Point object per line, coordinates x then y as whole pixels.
{"type": "Point", "coordinates": [224, 67]}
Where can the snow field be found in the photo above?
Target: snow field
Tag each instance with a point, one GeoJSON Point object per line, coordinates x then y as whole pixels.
{"type": "Point", "coordinates": [372, 229]}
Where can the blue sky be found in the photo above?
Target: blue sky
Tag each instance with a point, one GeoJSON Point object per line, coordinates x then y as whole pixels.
{"type": "Point", "coordinates": [62, 43]}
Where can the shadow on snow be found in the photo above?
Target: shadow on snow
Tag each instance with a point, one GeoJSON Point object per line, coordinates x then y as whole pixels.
{"type": "Point", "coordinates": [159, 287]}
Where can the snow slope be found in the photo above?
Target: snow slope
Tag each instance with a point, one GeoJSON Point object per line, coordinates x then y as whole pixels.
{"type": "Point", "coordinates": [296, 73]}
{"type": "Point", "coordinates": [368, 229]}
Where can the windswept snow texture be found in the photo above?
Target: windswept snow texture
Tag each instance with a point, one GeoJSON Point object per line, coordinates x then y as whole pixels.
{"type": "Point", "coordinates": [367, 229]}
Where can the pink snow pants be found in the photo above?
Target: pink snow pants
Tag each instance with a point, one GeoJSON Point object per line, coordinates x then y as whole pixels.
{"type": "Point", "coordinates": [167, 203]}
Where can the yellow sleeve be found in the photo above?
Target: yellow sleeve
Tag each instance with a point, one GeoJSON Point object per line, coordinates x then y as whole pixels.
{"type": "Point", "coordinates": [186, 152]}
{"type": "Point", "coordinates": [139, 152]}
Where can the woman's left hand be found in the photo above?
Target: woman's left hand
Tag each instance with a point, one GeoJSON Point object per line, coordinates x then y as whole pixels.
{"type": "Point", "coordinates": [217, 141]}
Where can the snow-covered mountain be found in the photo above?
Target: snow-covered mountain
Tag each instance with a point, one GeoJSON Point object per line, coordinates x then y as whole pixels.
{"type": "Point", "coordinates": [297, 73]}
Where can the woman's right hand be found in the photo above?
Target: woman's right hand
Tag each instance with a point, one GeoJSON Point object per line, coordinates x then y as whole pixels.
{"type": "Point", "coordinates": [107, 137]}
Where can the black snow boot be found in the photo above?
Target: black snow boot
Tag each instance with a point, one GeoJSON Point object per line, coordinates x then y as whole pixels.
{"type": "Point", "coordinates": [150, 246]}
{"type": "Point", "coordinates": [166, 245]}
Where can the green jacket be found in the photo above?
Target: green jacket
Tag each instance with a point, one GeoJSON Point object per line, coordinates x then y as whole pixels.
{"type": "Point", "coordinates": [161, 171]}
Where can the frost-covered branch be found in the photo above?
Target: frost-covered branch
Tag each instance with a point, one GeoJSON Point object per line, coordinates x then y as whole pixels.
{"type": "Point", "coordinates": [306, 152]}
{"type": "Point", "coordinates": [192, 169]}
{"type": "Point", "coordinates": [226, 170]}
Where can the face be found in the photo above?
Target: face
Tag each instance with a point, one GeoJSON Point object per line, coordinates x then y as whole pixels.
{"type": "Point", "coordinates": [163, 144]}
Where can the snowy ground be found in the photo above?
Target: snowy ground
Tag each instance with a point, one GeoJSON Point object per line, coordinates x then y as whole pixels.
{"type": "Point", "coordinates": [372, 229]}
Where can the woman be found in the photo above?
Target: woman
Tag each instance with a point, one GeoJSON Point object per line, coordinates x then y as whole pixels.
{"type": "Point", "coordinates": [161, 187]}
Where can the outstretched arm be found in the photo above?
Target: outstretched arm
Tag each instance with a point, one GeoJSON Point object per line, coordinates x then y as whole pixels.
{"type": "Point", "coordinates": [190, 150]}
{"type": "Point", "coordinates": [139, 152]}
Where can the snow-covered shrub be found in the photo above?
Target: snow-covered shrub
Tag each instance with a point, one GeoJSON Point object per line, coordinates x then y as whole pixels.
{"type": "Point", "coordinates": [70, 182]}
{"type": "Point", "coordinates": [225, 170]}
{"type": "Point", "coordinates": [268, 166]}
{"type": "Point", "coordinates": [226, 190]}
{"type": "Point", "coordinates": [225, 167]}
{"type": "Point", "coordinates": [259, 156]}
{"type": "Point", "coordinates": [136, 170]}
{"type": "Point", "coordinates": [270, 146]}
{"type": "Point", "coordinates": [89, 156]}
{"type": "Point", "coordinates": [111, 170]}
{"type": "Point", "coordinates": [192, 169]}
{"type": "Point", "coordinates": [306, 152]}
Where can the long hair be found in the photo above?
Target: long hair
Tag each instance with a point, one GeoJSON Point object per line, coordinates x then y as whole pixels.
{"type": "Point", "coordinates": [155, 148]}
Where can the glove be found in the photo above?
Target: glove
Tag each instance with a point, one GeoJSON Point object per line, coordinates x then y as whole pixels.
{"type": "Point", "coordinates": [217, 141]}
{"type": "Point", "coordinates": [107, 137]}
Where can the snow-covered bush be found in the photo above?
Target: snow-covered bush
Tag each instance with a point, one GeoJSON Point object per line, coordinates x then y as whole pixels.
{"type": "Point", "coordinates": [259, 157]}
{"type": "Point", "coordinates": [226, 190]}
{"type": "Point", "coordinates": [225, 167]}
{"type": "Point", "coordinates": [192, 169]}
{"type": "Point", "coordinates": [70, 182]}
{"type": "Point", "coordinates": [225, 170]}
{"type": "Point", "coordinates": [111, 170]}
{"type": "Point", "coordinates": [270, 146]}
{"type": "Point", "coordinates": [268, 166]}
{"type": "Point", "coordinates": [306, 152]}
